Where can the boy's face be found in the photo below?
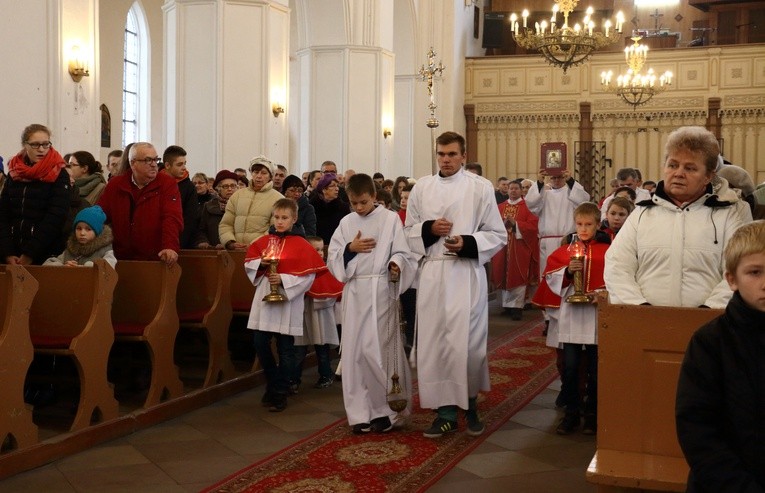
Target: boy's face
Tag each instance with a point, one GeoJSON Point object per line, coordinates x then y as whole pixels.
{"type": "Point", "coordinates": [404, 199]}
{"type": "Point", "coordinates": [283, 220]}
{"type": "Point", "coordinates": [318, 246]}
{"type": "Point", "coordinates": [84, 233]}
{"type": "Point", "coordinates": [362, 204]}
{"type": "Point", "coordinates": [176, 167]}
{"type": "Point", "coordinates": [616, 216]}
{"type": "Point", "coordinates": [749, 280]}
{"type": "Point", "coordinates": [586, 226]}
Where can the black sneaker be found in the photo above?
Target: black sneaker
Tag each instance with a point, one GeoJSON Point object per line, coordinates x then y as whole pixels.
{"type": "Point", "coordinates": [294, 387]}
{"type": "Point", "coordinates": [324, 382]}
{"type": "Point", "coordinates": [381, 425]}
{"type": "Point", "coordinates": [590, 425]}
{"type": "Point", "coordinates": [568, 424]}
{"type": "Point", "coordinates": [278, 404]}
{"type": "Point", "coordinates": [439, 428]}
{"type": "Point", "coordinates": [475, 426]}
{"type": "Point", "coordinates": [361, 428]}
{"type": "Point", "coordinates": [516, 313]}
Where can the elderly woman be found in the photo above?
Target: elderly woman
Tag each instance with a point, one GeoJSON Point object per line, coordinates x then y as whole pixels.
{"type": "Point", "coordinates": [212, 211]}
{"type": "Point", "coordinates": [248, 211]}
{"type": "Point", "coordinates": [87, 175]}
{"type": "Point", "coordinates": [293, 188]}
{"type": "Point", "coordinates": [205, 191]}
{"type": "Point", "coordinates": [670, 252]}
{"type": "Point", "coordinates": [34, 201]}
{"type": "Point", "coordinates": [328, 206]}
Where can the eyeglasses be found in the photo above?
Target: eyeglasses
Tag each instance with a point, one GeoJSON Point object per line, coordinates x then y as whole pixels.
{"type": "Point", "coordinates": [295, 190]}
{"type": "Point", "coordinates": [37, 145]}
{"type": "Point", "coordinates": [149, 160]}
{"type": "Point", "coordinates": [229, 187]}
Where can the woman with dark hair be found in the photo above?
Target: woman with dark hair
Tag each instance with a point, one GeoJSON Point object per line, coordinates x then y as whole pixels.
{"type": "Point", "coordinates": [398, 187]}
{"type": "Point", "coordinates": [313, 180]}
{"type": "Point", "coordinates": [328, 206]}
{"type": "Point", "coordinates": [34, 201]}
{"type": "Point", "coordinates": [87, 174]}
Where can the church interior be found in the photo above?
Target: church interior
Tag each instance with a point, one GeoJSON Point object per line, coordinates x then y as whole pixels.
{"type": "Point", "coordinates": [369, 84]}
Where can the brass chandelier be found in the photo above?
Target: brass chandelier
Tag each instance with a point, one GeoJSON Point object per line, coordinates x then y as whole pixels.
{"type": "Point", "coordinates": [634, 87]}
{"type": "Point", "coordinates": [565, 46]}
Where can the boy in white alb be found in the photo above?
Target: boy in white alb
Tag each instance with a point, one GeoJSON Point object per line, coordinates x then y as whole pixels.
{"type": "Point", "coordinates": [367, 248]}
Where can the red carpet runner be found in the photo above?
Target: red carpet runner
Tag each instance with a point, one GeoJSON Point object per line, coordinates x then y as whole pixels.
{"type": "Point", "coordinates": [335, 460]}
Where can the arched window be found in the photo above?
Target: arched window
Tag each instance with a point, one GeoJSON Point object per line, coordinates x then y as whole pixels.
{"type": "Point", "coordinates": [135, 96]}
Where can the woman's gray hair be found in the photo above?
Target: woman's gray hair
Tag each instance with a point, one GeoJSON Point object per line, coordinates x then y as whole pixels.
{"type": "Point", "coordinates": [695, 139]}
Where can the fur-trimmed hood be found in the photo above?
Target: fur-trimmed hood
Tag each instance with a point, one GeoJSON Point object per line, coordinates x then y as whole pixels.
{"type": "Point", "coordinates": [105, 239]}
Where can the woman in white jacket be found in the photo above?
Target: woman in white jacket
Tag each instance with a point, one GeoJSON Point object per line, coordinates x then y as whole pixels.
{"type": "Point", "coordinates": [670, 250]}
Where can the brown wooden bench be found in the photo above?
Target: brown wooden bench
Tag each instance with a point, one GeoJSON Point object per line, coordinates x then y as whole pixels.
{"type": "Point", "coordinates": [204, 304]}
{"type": "Point", "coordinates": [17, 290]}
{"type": "Point", "coordinates": [144, 310]}
{"type": "Point", "coordinates": [242, 289]}
{"type": "Point", "coordinates": [71, 316]}
{"type": "Point", "coordinates": [640, 349]}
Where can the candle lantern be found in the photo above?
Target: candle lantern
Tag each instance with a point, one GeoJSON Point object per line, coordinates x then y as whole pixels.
{"type": "Point", "coordinates": [578, 251]}
{"type": "Point", "coordinates": [271, 257]}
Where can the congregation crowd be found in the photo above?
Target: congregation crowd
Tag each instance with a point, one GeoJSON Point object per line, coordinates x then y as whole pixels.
{"type": "Point", "coordinates": [354, 250]}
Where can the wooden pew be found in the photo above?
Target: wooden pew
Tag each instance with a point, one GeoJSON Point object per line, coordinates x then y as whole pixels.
{"type": "Point", "coordinates": [640, 349]}
{"type": "Point", "coordinates": [144, 310]}
{"type": "Point", "coordinates": [71, 316]}
{"type": "Point", "coordinates": [242, 289]}
{"type": "Point", "coordinates": [17, 290]}
{"type": "Point", "coordinates": [204, 303]}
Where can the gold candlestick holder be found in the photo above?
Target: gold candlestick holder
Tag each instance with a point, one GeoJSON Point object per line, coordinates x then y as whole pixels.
{"type": "Point", "coordinates": [576, 251]}
{"type": "Point", "coordinates": [274, 296]}
{"type": "Point", "coordinates": [271, 256]}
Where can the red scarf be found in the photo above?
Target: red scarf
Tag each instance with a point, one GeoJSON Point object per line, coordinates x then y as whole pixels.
{"type": "Point", "coordinates": [46, 170]}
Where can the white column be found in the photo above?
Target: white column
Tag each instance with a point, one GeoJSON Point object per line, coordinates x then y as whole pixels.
{"type": "Point", "coordinates": [225, 65]}
{"type": "Point", "coordinates": [344, 87]}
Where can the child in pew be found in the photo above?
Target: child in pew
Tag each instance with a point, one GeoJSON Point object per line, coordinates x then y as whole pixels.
{"type": "Point", "coordinates": [576, 323]}
{"type": "Point", "coordinates": [367, 249]}
{"type": "Point", "coordinates": [319, 319]}
{"type": "Point", "coordinates": [297, 265]}
{"type": "Point", "coordinates": [720, 403]}
{"type": "Point", "coordinates": [91, 239]}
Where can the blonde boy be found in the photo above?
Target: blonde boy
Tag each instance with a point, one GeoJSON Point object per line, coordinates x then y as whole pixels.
{"type": "Point", "coordinates": [298, 263]}
{"type": "Point", "coordinates": [719, 407]}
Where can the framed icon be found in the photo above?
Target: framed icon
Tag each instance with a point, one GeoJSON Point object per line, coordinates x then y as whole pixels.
{"type": "Point", "coordinates": [554, 157]}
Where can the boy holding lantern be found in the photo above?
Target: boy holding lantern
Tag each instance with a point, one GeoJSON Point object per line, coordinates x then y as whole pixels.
{"type": "Point", "coordinates": [572, 273]}
{"type": "Point", "coordinates": [282, 265]}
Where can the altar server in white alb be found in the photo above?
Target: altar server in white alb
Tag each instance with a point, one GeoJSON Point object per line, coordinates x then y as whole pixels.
{"type": "Point", "coordinates": [367, 248]}
{"type": "Point", "coordinates": [453, 222]}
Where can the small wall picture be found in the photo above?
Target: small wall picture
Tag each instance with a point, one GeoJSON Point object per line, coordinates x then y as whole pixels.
{"type": "Point", "coordinates": [554, 157]}
{"type": "Point", "coordinates": [106, 126]}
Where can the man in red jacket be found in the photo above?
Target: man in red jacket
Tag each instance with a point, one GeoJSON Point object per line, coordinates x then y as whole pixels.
{"type": "Point", "coordinates": [144, 209]}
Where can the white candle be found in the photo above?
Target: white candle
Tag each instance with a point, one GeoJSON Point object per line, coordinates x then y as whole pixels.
{"type": "Point", "coordinates": [589, 27]}
{"type": "Point", "coordinates": [536, 26]}
{"type": "Point", "coordinates": [608, 26]}
{"type": "Point", "coordinates": [525, 15]}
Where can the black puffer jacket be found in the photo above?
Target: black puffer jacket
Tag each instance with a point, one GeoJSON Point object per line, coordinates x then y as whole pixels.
{"type": "Point", "coordinates": [32, 216]}
{"type": "Point", "coordinates": [328, 216]}
{"type": "Point", "coordinates": [720, 407]}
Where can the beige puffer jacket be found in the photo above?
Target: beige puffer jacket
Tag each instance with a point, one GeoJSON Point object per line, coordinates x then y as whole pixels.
{"type": "Point", "coordinates": [248, 214]}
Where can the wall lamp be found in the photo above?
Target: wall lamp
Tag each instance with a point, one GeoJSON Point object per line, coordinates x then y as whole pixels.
{"type": "Point", "coordinates": [276, 108]}
{"type": "Point", "coordinates": [387, 133]}
{"type": "Point", "coordinates": [77, 66]}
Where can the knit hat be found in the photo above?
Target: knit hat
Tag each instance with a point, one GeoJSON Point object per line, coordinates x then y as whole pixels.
{"type": "Point", "coordinates": [224, 174]}
{"type": "Point", "coordinates": [293, 181]}
{"type": "Point", "coordinates": [93, 217]}
{"type": "Point", "coordinates": [737, 178]}
{"type": "Point", "coordinates": [262, 161]}
{"type": "Point", "coordinates": [325, 181]}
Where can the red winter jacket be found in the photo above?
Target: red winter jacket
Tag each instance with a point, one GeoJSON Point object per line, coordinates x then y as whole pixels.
{"type": "Point", "coordinates": [144, 221]}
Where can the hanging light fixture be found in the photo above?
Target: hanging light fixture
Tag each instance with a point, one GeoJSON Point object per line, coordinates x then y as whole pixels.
{"type": "Point", "coordinates": [634, 87]}
{"type": "Point", "coordinates": [562, 45]}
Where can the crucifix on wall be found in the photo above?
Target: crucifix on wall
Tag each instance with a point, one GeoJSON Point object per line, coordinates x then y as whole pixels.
{"type": "Point", "coordinates": [656, 16]}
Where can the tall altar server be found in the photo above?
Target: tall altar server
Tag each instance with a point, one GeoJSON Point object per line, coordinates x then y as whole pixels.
{"type": "Point", "coordinates": [453, 212]}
